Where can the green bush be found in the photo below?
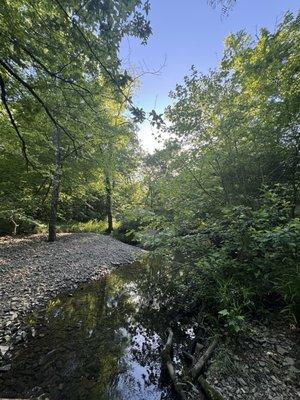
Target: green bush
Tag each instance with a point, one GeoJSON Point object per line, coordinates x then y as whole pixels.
{"type": "Point", "coordinates": [245, 264]}
{"type": "Point", "coordinates": [89, 226]}
{"type": "Point", "coordinates": [130, 226]}
{"type": "Point", "coordinates": [17, 222]}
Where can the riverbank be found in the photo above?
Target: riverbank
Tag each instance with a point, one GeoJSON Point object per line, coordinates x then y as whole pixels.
{"type": "Point", "coordinates": [32, 271]}
{"type": "Point", "coordinates": [261, 363]}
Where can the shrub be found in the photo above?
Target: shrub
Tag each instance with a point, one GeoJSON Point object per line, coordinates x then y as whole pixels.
{"type": "Point", "coordinates": [17, 222]}
{"type": "Point", "coordinates": [131, 224]}
{"type": "Point", "coordinates": [89, 226]}
{"type": "Point", "coordinates": [244, 264]}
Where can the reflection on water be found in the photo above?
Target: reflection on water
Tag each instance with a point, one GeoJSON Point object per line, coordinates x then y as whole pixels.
{"type": "Point", "coordinates": [91, 345]}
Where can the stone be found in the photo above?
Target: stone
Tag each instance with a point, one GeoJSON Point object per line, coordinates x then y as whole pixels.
{"type": "Point", "coordinates": [5, 368]}
{"type": "Point", "coordinates": [14, 315]}
{"type": "Point", "coordinates": [288, 361]}
{"type": "Point", "coordinates": [4, 350]}
{"type": "Point", "coordinates": [241, 381]}
{"type": "Point", "coordinates": [281, 350]}
{"type": "Point", "coordinates": [262, 363]}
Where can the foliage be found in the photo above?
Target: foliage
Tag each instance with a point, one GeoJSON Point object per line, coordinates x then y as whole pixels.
{"type": "Point", "coordinates": [60, 74]}
{"type": "Point", "coordinates": [89, 226]}
{"type": "Point", "coordinates": [241, 266]}
{"type": "Point", "coordinates": [131, 224]}
{"type": "Point", "coordinates": [223, 194]}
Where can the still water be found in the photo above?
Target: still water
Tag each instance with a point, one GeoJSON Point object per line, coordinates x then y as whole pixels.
{"type": "Point", "coordinates": [94, 345]}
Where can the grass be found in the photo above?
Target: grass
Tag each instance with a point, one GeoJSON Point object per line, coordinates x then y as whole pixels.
{"type": "Point", "coordinates": [75, 226]}
{"type": "Point", "coordinates": [89, 226]}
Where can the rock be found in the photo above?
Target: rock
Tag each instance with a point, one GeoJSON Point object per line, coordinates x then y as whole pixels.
{"type": "Point", "coordinates": [14, 315]}
{"type": "Point", "coordinates": [281, 350]}
{"type": "Point", "coordinates": [288, 361]}
{"type": "Point", "coordinates": [262, 363]}
{"type": "Point", "coordinates": [5, 368]}
{"type": "Point", "coordinates": [241, 381]}
{"type": "Point", "coordinates": [4, 350]}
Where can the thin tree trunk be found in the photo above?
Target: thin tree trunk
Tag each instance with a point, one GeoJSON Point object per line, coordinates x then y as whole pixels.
{"type": "Point", "coordinates": [108, 189]}
{"type": "Point", "coordinates": [15, 226]}
{"type": "Point", "coordinates": [56, 180]}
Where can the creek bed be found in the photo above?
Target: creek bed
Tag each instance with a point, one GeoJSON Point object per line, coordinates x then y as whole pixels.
{"type": "Point", "coordinates": [91, 344]}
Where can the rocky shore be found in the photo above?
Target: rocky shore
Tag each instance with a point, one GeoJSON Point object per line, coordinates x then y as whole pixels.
{"type": "Point", "coordinates": [260, 364]}
{"type": "Point", "coordinates": [33, 271]}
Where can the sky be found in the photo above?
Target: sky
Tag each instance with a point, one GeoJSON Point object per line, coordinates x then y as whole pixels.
{"type": "Point", "coordinates": [187, 33]}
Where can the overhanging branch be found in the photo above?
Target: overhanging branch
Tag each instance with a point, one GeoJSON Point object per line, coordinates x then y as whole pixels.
{"type": "Point", "coordinates": [14, 124]}
{"type": "Point", "coordinates": [38, 98]}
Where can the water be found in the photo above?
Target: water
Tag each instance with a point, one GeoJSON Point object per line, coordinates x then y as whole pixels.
{"type": "Point", "coordinates": [93, 345]}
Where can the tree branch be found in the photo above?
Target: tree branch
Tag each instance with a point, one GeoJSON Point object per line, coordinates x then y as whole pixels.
{"type": "Point", "coordinates": [13, 122]}
{"type": "Point", "coordinates": [38, 98]}
{"type": "Point", "coordinates": [107, 71]}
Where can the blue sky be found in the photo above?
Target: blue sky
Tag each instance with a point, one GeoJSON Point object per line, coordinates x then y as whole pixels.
{"type": "Point", "coordinates": [185, 33]}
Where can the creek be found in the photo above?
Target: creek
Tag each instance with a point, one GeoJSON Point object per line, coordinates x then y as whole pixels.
{"type": "Point", "coordinates": [92, 344]}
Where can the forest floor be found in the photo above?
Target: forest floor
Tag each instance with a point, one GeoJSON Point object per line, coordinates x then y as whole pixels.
{"type": "Point", "coordinates": [32, 271]}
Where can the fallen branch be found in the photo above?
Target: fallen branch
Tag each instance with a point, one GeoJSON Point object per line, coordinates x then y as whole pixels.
{"type": "Point", "coordinates": [168, 368]}
{"type": "Point", "coordinates": [198, 366]}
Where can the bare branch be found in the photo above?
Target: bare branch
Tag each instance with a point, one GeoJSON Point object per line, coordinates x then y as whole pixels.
{"type": "Point", "coordinates": [197, 367]}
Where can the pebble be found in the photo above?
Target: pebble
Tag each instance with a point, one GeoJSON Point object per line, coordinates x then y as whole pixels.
{"type": "Point", "coordinates": [241, 381]}
{"type": "Point", "coordinates": [4, 350]}
{"type": "Point", "coordinates": [50, 269]}
{"type": "Point", "coordinates": [265, 372]}
{"type": "Point", "coordinates": [288, 361]}
{"type": "Point", "coordinates": [281, 350]}
{"type": "Point", "coordinates": [5, 368]}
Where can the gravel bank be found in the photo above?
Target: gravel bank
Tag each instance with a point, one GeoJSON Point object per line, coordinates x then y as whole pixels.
{"type": "Point", "coordinates": [260, 364]}
{"type": "Point", "coordinates": [32, 271]}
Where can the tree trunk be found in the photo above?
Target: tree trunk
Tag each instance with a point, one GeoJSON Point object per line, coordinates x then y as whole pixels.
{"type": "Point", "coordinates": [108, 189]}
{"type": "Point", "coordinates": [56, 180]}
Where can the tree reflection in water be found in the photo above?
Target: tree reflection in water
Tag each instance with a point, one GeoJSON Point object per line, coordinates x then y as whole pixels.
{"type": "Point", "coordinates": [91, 345]}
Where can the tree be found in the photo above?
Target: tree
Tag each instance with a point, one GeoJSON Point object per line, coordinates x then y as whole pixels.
{"type": "Point", "coordinates": [59, 48]}
{"type": "Point", "coordinates": [224, 191]}
{"type": "Point", "coordinates": [241, 123]}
